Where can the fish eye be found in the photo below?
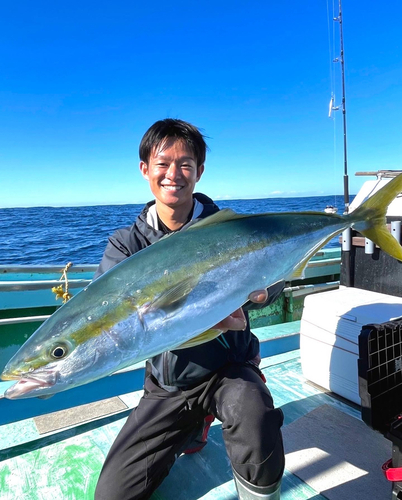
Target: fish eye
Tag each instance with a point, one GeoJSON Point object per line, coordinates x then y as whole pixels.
{"type": "Point", "coordinates": [59, 351]}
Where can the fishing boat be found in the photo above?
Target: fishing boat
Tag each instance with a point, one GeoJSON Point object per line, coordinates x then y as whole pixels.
{"type": "Point", "coordinates": [330, 209]}
{"type": "Point", "coordinates": [55, 448]}
{"type": "Point", "coordinates": [337, 435]}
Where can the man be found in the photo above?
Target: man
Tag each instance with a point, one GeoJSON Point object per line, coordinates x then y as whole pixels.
{"type": "Point", "coordinates": [184, 389]}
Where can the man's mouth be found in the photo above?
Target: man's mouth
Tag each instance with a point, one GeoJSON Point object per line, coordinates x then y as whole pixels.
{"type": "Point", "coordinates": [171, 188]}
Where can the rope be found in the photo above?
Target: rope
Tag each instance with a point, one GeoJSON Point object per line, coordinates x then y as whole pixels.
{"type": "Point", "coordinates": [58, 290]}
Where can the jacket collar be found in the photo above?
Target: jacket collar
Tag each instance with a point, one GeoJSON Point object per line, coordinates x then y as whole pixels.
{"type": "Point", "coordinates": [147, 220]}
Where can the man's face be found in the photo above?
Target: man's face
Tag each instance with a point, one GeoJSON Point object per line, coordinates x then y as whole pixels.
{"type": "Point", "coordinates": [172, 173]}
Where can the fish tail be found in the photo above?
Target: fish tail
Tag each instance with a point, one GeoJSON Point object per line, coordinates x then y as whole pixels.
{"type": "Point", "coordinates": [370, 218]}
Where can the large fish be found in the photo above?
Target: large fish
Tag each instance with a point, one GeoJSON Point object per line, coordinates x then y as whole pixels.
{"type": "Point", "coordinates": [172, 293]}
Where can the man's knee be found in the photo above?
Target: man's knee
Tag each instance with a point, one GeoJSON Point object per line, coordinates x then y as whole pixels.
{"type": "Point", "coordinates": [253, 436]}
{"type": "Point", "coordinates": [267, 472]}
{"type": "Point", "coordinates": [252, 432]}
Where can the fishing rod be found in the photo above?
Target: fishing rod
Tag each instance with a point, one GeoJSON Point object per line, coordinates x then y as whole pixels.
{"type": "Point", "coordinates": [347, 234]}
{"type": "Point", "coordinates": [341, 59]}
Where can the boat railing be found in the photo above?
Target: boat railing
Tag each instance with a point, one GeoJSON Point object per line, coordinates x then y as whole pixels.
{"type": "Point", "coordinates": [380, 174]}
{"type": "Point", "coordinates": [31, 286]}
{"type": "Point", "coordinates": [46, 269]}
{"type": "Point", "coordinates": [12, 286]}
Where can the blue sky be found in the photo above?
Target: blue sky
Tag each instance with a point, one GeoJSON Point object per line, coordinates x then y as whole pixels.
{"type": "Point", "coordinates": [80, 82]}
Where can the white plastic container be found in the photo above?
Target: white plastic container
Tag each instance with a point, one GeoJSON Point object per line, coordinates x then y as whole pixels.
{"type": "Point", "coordinates": [329, 332]}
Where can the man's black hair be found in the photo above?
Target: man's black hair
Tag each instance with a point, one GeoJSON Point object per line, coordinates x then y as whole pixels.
{"type": "Point", "coordinates": [171, 127]}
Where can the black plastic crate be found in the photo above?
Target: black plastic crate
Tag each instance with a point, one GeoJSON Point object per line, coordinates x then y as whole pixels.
{"type": "Point", "coordinates": [380, 374]}
{"type": "Point", "coordinates": [380, 387]}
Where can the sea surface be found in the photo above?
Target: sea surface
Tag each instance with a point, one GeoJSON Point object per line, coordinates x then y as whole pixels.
{"type": "Point", "coordinates": [49, 235]}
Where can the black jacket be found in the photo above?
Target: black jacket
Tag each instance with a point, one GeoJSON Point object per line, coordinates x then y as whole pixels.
{"type": "Point", "coordinates": [185, 367]}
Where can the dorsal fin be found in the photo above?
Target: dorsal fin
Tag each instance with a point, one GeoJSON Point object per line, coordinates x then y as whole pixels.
{"type": "Point", "coordinates": [222, 216]}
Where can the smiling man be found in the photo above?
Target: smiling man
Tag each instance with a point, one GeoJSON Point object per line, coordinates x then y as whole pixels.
{"type": "Point", "coordinates": [172, 172]}
{"type": "Point", "coordinates": [186, 389]}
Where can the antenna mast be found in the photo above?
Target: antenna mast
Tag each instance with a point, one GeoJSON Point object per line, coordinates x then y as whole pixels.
{"type": "Point", "coordinates": [341, 59]}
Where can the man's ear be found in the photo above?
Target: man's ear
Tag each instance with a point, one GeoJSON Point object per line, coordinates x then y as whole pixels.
{"type": "Point", "coordinates": [200, 171]}
{"type": "Point", "coordinates": [144, 170]}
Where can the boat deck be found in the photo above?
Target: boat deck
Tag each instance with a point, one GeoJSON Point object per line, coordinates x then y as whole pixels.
{"type": "Point", "coordinates": [330, 453]}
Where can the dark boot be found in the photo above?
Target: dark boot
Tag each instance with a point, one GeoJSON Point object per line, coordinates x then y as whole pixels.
{"type": "Point", "coordinates": [248, 491]}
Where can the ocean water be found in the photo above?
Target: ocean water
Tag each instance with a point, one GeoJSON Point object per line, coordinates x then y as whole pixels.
{"type": "Point", "coordinates": [49, 235]}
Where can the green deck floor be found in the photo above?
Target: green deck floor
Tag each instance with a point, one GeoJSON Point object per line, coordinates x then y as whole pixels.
{"type": "Point", "coordinates": [69, 468]}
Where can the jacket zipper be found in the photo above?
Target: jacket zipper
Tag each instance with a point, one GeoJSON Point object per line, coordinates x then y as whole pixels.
{"type": "Point", "coordinates": [165, 369]}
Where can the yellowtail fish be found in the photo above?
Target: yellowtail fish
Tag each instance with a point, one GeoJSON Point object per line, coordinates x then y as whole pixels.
{"type": "Point", "coordinates": [171, 294]}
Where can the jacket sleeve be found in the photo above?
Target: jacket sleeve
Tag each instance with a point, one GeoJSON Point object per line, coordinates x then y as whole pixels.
{"type": "Point", "coordinates": [274, 291]}
{"type": "Point", "coordinates": [114, 253]}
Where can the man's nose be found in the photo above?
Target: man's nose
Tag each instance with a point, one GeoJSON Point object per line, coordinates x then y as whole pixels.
{"type": "Point", "coordinates": [173, 171]}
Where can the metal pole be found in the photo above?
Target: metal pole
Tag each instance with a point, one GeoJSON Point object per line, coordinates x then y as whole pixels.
{"type": "Point", "coordinates": [345, 156]}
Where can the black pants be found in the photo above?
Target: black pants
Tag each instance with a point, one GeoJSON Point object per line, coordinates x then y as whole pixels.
{"type": "Point", "coordinates": [164, 424]}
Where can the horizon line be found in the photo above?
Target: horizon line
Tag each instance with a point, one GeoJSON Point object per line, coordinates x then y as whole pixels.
{"type": "Point", "coordinates": [142, 203]}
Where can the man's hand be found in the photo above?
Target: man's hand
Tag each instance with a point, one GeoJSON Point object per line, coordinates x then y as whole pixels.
{"type": "Point", "coordinates": [259, 296]}
{"type": "Point", "coordinates": [237, 320]}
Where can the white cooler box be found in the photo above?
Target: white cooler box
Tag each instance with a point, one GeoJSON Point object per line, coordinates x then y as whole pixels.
{"type": "Point", "coordinates": [329, 335]}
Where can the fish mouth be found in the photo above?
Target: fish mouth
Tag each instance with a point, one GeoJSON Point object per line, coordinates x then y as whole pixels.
{"type": "Point", "coordinates": [28, 383]}
{"type": "Point", "coordinates": [9, 376]}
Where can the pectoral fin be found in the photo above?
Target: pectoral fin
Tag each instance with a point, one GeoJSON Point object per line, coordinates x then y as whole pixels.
{"type": "Point", "coordinates": [169, 296]}
{"type": "Point", "coordinates": [175, 293]}
{"type": "Point", "coordinates": [201, 339]}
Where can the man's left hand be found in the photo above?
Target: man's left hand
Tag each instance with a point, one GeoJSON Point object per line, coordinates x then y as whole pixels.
{"type": "Point", "coordinates": [237, 320]}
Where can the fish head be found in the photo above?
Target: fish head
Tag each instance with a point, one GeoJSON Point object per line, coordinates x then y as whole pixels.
{"type": "Point", "coordinates": [40, 367]}
{"type": "Point", "coordinates": [63, 353]}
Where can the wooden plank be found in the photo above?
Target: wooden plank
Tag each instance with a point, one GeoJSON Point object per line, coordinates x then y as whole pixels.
{"type": "Point", "coordinates": [68, 418]}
